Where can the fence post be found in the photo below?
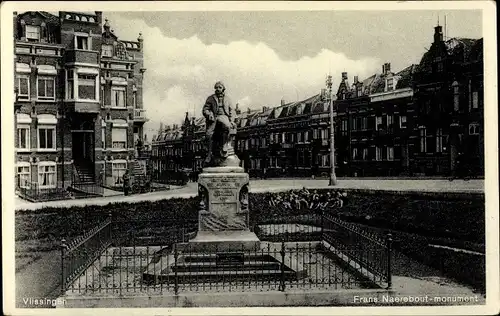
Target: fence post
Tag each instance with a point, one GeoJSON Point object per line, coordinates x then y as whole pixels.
{"type": "Point", "coordinates": [176, 281]}
{"type": "Point", "coordinates": [322, 222]}
{"type": "Point", "coordinates": [63, 248]}
{"type": "Point", "coordinates": [282, 267]}
{"type": "Point", "coordinates": [111, 226]}
{"type": "Point", "coordinates": [389, 255]}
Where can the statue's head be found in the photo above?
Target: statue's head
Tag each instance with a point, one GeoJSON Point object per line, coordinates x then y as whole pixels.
{"type": "Point", "coordinates": [219, 88]}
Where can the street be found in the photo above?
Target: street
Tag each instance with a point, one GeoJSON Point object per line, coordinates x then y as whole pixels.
{"type": "Point", "coordinates": [429, 185]}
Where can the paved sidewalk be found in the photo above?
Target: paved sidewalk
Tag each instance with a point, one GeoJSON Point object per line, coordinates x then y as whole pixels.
{"type": "Point", "coordinates": [273, 185]}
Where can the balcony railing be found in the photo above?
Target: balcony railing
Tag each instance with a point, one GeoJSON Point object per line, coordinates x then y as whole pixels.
{"type": "Point", "coordinates": [140, 115]}
{"type": "Point", "coordinates": [82, 56]}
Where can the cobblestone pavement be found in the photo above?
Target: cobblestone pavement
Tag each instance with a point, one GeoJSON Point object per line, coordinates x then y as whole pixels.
{"type": "Point", "coordinates": [428, 185]}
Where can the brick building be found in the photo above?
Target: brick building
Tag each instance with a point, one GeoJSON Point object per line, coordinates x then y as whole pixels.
{"type": "Point", "coordinates": [448, 93]}
{"type": "Point", "coordinates": [78, 108]}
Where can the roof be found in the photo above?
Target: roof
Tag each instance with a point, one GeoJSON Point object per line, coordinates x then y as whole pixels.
{"type": "Point", "coordinates": [405, 77]}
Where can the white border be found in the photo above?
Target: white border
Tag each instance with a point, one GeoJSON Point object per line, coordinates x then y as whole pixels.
{"type": "Point", "coordinates": [491, 141]}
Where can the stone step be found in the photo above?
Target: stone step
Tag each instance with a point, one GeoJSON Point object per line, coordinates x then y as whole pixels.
{"type": "Point", "coordinates": [220, 276]}
{"type": "Point", "coordinates": [207, 267]}
{"type": "Point", "coordinates": [211, 258]}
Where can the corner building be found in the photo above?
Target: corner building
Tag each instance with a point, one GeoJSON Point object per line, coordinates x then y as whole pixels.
{"type": "Point", "coordinates": [78, 110]}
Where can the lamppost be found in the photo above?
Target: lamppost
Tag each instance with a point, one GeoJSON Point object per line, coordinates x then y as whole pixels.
{"type": "Point", "coordinates": [333, 177]}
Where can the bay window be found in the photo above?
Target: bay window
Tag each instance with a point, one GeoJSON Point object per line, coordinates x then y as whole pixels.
{"type": "Point", "coordinates": [87, 87]}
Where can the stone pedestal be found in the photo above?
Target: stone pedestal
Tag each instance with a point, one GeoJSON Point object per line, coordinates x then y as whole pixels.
{"type": "Point", "coordinates": [224, 213]}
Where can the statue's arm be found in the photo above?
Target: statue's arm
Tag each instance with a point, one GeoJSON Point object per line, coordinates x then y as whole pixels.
{"type": "Point", "coordinates": [207, 110]}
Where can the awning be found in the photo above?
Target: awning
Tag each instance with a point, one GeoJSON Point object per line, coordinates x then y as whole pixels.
{"type": "Point", "coordinates": [23, 118]}
{"type": "Point", "coordinates": [23, 68]}
{"type": "Point", "coordinates": [46, 70]}
{"type": "Point", "coordinates": [47, 119]}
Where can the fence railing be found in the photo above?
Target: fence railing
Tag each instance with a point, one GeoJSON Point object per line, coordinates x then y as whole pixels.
{"type": "Point", "coordinates": [305, 251]}
{"type": "Point", "coordinates": [175, 269]}
{"type": "Point", "coordinates": [80, 253]}
{"type": "Point", "coordinates": [34, 192]}
{"type": "Point", "coordinates": [362, 250]}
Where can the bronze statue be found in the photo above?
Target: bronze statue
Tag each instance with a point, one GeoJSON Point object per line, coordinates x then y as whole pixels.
{"type": "Point", "coordinates": [220, 129]}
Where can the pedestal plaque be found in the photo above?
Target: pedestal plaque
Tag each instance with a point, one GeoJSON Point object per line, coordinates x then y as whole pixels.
{"type": "Point", "coordinates": [223, 215]}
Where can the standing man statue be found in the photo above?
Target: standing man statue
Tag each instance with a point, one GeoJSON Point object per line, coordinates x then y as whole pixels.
{"type": "Point", "coordinates": [220, 129]}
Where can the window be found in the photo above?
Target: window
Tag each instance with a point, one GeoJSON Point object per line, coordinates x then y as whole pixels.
{"type": "Point", "coordinates": [23, 175]}
{"type": "Point", "coordinates": [118, 97]}
{"type": "Point", "coordinates": [119, 138]}
{"type": "Point", "coordinates": [23, 135]}
{"type": "Point", "coordinates": [378, 123]}
{"type": "Point", "coordinates": [103, 137]}
{"type": "Point", "coordinates": [354, 154]}
{"type": "Point", "coordinates": [456, 96]}
{"type": "Point", "coordinates": [439, 140]}
{"type": "Point", "coordinates": [47, 175]}
{"type": "Point", "coordinates": [402, 121]}
{"type": "Point", "coordinates": [390, 120]}
{"type": "Point", "coordinates": [440, 67]}
{"type": "Point", "coordinates": [70, 85]}
{"type": "Point", "coordinates": [47, 138]}
{"type": "Point", "coordinates": [390, 84]}
{"type": "Point", "coordinates": [378, 153]}
{"type": "Point", "coordinates": [134, 99]}
{"type": "Point", "coordinates": [475, 101]}
{"type": "Point", "coordinates": [82, 42]}
{"type": "Point", "coordinates": [423, 140]}
{"type": "Point", "coordinates": [86, 87]}
{"type": "Point", "coordinates": [23, 87]}
{"type": "Point", "coordinates": [107, 50]}
{"type": "Point", "coordinates": [46, 88]}
{"type": "Point", "coordinates": [343, 127]}
{"type": "Point", "coordinates": [364, 123]}
{"type": "Point", "coordinates": [390, 153]}
{"type": "Point", "coordinates": [299, 137]}
{"type": "Point", "coordinates": [118, 169]}
{"type": "Point", "coordinates": [365, 153]}
{"type": "Point", "coordinates": [32, 33]}
{"type": "Point", "coordinates": [473, 129]}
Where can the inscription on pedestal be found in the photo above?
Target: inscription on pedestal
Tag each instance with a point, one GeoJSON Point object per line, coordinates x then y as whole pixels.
{"type": "Point", "coordinates": [222, 201]}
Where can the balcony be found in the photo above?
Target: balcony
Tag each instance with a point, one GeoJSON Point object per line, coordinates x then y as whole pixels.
{"type": "Point", "coordinates": [84, 106]}
{"type": "Point", "coordinates": [82, 56]}
{"type": "Point", "coordinates": [140, 115]}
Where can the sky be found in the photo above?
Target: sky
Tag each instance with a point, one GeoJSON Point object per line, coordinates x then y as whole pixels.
{"type": "Point", "coordinates": [263, 57]}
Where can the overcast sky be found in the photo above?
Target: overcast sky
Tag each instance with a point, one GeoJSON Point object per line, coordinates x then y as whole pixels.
{"type": "Point", "coordinates": [265, 56]}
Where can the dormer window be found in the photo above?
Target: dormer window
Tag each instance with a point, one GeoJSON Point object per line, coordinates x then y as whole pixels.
{"type": "Point", "coordinates": [389, 84]}
{"type": "Point", "coordinates": [32, 33]}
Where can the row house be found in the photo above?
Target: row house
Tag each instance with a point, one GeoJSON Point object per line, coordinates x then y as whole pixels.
{"type": "Point", "coordinates": [374, 124]}
{"type": "Point", "coordinates": [449, 96]}
{"type": "Point", "coordinates": [78, 108]}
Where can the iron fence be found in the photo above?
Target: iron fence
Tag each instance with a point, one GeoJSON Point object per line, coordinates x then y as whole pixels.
{"type": "Point", "coordinates": [80, 253]}
{"type": "Point", "coordinates": [151, 255]}
{"type": "Point", "coordinates": [34, 192]}
{"type": "Point", "coordinates": [366, 251]}
{"type": "Point", "coordinates": [176, 269]}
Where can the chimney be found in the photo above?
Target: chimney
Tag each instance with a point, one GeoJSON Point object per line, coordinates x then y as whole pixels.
{"type": "Point", "coordinates": [356, 79]}
{"type": "Point", "coordinates": [248, 110]}
{"type": "Point", "coordinates": [344, 76]}
{"type": "Point", "coordinates": [386, 68]}
{"type": "Point", "coordinates": [237, 109]}
{"type": "Point", "coordinates": [99, 17]}
{"type": "Point", "coordinates": [438, 34]}
{"type": "Point", "coordinates": [282, 102]}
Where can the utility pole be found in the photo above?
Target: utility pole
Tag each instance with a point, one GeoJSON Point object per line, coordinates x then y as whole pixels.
{"type": "Point", "coordinates": [333, 177]}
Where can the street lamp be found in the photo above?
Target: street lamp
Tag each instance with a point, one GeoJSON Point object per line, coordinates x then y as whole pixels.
{"type": "Point", "coordinates": [333, 177]}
